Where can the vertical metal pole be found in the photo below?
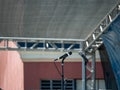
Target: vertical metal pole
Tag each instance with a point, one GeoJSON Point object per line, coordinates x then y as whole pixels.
{"type": "Point", "coordinates": [62, 64]}
{"type": "Point", "coordinates": [83, 70]}
{"type": "Point", "coordinates": [93, 72]}
{"type": "Point", "coordinates": [83, 75]}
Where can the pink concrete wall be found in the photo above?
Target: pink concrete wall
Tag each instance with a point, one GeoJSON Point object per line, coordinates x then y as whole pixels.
{"type": "Point", "coordinates": [36, 71]}
{"type": "Point", "coordinates": [11, 70]}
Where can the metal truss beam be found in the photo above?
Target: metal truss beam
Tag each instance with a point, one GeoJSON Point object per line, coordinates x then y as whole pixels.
{"type": "Point", "coordinates": [43, 44]}
{"type": "Point", "coordinates": [90, 77]}
{"type": "Point", "coordinates": [93, 41]}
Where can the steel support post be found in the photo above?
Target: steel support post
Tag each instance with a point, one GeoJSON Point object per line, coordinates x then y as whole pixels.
{"type": "Point", "coordinates": [83, 69]}
{"type": "Point", "coordinates": [83, 75]}
{"type": "Point", "coordinates": [93, 72]}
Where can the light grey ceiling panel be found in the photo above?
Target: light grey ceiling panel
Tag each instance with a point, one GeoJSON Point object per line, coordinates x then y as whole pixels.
{"type": "Point", "coordinates": [72, 19]}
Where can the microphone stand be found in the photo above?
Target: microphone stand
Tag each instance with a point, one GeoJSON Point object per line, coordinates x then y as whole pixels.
{"type": "Point", "coordinates": [62, 65]}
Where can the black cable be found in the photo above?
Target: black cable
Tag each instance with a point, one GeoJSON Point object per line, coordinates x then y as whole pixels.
{"type": "Point", "coordinates": [57, 69]}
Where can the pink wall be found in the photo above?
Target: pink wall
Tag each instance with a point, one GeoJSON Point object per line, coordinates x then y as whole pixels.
{"type": "Point", "coordinates": [11, 70]}
{"type": "Point", "coordinates": [36, 71]}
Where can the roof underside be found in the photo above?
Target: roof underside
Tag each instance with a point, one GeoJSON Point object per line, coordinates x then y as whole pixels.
{"type": "Point", "coordinates": [67, 19]}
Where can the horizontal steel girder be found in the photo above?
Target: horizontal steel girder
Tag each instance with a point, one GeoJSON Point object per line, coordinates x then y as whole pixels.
{"type": "Point", "coordinates": [42, 44]}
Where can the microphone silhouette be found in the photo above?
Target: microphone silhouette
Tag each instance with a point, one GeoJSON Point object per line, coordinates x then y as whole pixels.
{"type": "Point", "coordinates": [64, 56]}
